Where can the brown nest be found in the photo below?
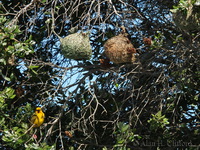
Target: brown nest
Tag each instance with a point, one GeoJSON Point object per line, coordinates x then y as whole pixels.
{"type": "Point", "coordinates": [119, 49]}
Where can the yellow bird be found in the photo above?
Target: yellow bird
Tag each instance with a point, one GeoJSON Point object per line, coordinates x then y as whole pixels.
{"type": "Point", "coordinates": [38, 117]}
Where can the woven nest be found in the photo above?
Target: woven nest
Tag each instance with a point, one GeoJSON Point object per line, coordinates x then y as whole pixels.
{"type": "Point", "coordinates": [119, 49]}
{"type": "Point", "coordinates": [76, 46]}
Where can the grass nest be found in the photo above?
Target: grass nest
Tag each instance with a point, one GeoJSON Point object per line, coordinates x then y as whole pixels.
{"type": "Point", "coordinates": [76, 46]}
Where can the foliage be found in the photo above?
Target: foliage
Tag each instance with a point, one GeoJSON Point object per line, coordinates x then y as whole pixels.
{"type": "Point", "coordinates": [124, 135]}
{"type": "Point", "coordinates": [185, 13]}
{"type": "Point", "coordinates": [14, 122]}
{"type": "Point", "coordinates": [36, 146]}
{"type": "Point", "coordinates": [10, 46]}
{"type": "Point", "coordinates": [15, 133]}
{"type": "Point", "coordinates": [158, 121]}
{"type": "Point", "coordinates": [118, 106]}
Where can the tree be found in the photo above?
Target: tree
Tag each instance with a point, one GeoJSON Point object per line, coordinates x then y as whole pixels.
{"type": "Point", "coordinates": [152, 103]}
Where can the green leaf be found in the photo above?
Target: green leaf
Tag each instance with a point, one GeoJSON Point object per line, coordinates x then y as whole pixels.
{"type": "Point", "coordinates": [43, 1]}
{"type": "Point", "coordinates": [10, 93]}
{"type": "Point", "coordinates": [124, 128]}
{"type": "Point", "coordinates": [196, 97]}
{"type": "Point", "coordinates": [34, 72]}
{"type": "Point", "coordinates": [3, 61]}
{"type": "Point", "coordinates": [120, 141]}
{"type": "Point", "coordinates": [6, 78]}
{"type": "Point", "coordinates": [104, 148]}
{"type": "Point", "coordinates": [33, 67]}
{"type": "Point", "coordinates": [12, 77]}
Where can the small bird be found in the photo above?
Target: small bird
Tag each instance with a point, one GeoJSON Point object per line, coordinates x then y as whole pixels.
{"type": "Point", "coordinates": [38, 117]}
